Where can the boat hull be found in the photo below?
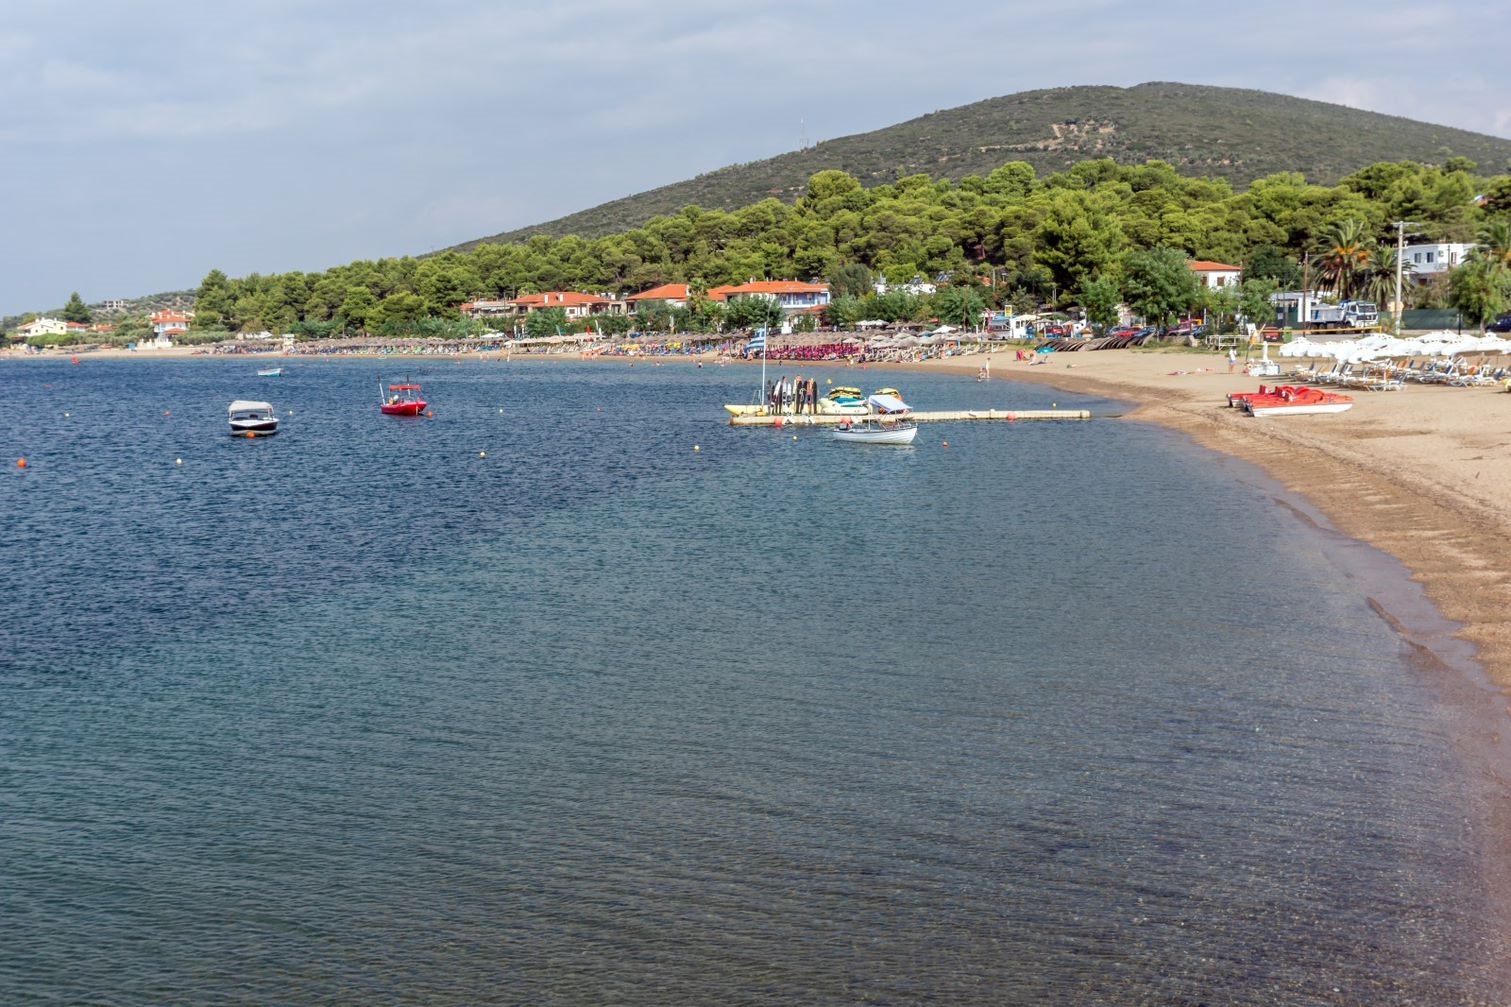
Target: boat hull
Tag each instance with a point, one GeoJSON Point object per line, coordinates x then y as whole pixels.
{"type": "Point", "coordinates": [865, 434]}
{"type": "Point", "coordinates": [402, 408]}
{"type": "Point", "coordinates": [1298, 408]}
{"type": "Point", "coordinates": [260, 428]}
{"type": "Point", "coordinates": [747, 410]}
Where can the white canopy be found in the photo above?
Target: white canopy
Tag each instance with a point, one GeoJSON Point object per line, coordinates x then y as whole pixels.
{"type": "Point", "coordinates": [246, 405]}
{"type": "Point", "coordinates": [888, 404]}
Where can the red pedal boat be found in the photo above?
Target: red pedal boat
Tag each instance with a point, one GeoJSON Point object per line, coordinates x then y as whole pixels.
{"type": "Point", "coordinates": [1290, 400]}
{"type": "Point", "coordinates": [403, 400]}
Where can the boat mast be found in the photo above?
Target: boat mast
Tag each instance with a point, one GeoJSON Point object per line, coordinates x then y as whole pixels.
{"type": "Point", "coordinates": [763, 363]}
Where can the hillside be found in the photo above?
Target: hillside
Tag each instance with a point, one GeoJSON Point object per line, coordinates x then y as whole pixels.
{"type": "Point", "coordinates": [1210, 131]}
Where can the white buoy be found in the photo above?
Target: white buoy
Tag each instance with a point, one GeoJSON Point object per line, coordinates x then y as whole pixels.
{"type": "Point", "coordinates": [178, 461]}
{"type": "Point", "coordinates": [697, 448]}
{"type": "Point", "coordinates": [482, 454]}
{"type": "Point", "coordinates": [67, 415]}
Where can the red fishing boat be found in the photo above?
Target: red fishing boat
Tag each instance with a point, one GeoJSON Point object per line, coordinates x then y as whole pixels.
{"type": "Point", "coordinates": [403, 400]}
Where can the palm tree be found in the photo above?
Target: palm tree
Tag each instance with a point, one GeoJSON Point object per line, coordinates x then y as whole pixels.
{"type": "Point", "coordinates": [1379, 282]}
{"type": "Point", "coordinates": [1495, 244]}
{"type": "Point", "coordinates": [1345, 256]}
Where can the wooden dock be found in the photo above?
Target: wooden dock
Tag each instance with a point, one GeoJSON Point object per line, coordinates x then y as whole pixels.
{"type": "Point", "coordinates": [948, 415]}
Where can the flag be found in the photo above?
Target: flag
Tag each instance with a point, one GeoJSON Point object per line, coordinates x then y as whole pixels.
{"type": "Point", "coordinates": [757, 342]}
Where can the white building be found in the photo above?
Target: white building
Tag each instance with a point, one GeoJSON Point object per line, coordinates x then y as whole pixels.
{"type": "Point", "coordinates": [917, 286]}
{"type": "Point", "coordinates": [1216, 274]}
{"type": "Point", "coordinates": [1430, 259]}
{"type": "Point", "coordinates": [42, 327]}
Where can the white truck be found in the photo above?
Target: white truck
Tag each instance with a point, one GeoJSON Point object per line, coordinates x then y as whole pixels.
{"type": "Point", "coordinates": [1345, 315]}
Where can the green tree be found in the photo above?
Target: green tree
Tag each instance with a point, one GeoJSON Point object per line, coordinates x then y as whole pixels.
{"type": "Point", "coordinates": [653, 316]}
{"type": "Point", "coordinates": [754, 312]}
{"type": "Point", "coordinates": [400, 310]}
{"type": "Point", "coordinates": [1254, 304]}
{"type": "Point", "coordinates": [1479, 290]}
{"type": "Point", "coordinates": [960, 305]}
{"type": "Point", "coordinates": [843, 312]}
{"type": "Point", "coordinates": [1345, 256]}
{"type": "Point", "coordinates": [1269, 262]}
{"type": "Point", "coordinates": [546, 322]}
{"type": "Point", "coordinates": [75, 311]}
{"type": "Point", "coordinates": [1100, 299]}
{"type": "Point", "coordinates": [852, 279]}
{"type": "Point", "coordinates": [214, 302]}
{"type": "Point", "coordinates": [359, 307]}
{"type": "Point", "coordinates": [1159, 284]}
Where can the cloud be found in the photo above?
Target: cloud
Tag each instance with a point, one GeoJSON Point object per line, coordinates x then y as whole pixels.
{"type": "Point", "coordinates": [278, 134]}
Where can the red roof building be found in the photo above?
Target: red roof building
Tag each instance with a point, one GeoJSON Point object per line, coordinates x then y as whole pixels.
{"type": "Point", "coordinates": [575, 305]}
{"type": "Point", "coordinates": [792, 295]}
{"type": "Point", "coordinates": [1216, 274]}
{"type": "Point", "coordinates": [171, 323]}
{"type": "Point", "coordinates": [674, 294]}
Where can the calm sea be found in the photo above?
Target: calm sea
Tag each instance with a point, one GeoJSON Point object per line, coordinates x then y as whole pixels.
{"type": "Point", "coordinates": [532, 703]}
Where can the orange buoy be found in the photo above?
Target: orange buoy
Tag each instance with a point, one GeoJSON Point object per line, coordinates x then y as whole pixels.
{"type": "Point", "coordinates": [430, 412]}
{"type": "Point", "coordinates": [20, 463]}
{"type": "Point", "coordinates": [251, 434]}
{"type": "Point", "coordinates": [167, 412]}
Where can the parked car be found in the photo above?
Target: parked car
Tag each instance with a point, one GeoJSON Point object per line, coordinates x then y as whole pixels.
{"type": "Point", "coordinates": [1501, 324]}
{"type": "Point", "coordinates": [1120, 330]}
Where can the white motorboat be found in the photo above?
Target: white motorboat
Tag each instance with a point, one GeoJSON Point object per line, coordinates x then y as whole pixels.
{"type": "Point", "coordinates": [886, 422]}
{"type": "Point", "coordinates": [882, 432]}
{"type": "Point", "coordinates": [252, 419]}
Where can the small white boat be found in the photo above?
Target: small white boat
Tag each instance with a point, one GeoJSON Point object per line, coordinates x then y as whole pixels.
{"type": "Point", "coordinates": [270, 372]}
{"type": "Point", "coordinates": [252, 419]}
{"type": "Point", "coordinates": [883, 432]}
{"type": "Point", "coordinates": [885, 423]}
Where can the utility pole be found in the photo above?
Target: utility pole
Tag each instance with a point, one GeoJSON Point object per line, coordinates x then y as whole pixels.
{"type": "Point", "coordinates": [1400, 253]}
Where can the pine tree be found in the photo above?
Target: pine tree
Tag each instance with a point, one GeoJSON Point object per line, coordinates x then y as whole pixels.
{"type": "Point", "coordinates": [75, 310]}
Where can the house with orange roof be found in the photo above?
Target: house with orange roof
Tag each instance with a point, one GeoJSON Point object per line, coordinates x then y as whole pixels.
{"type": "Point", "coordinates": [576, 305]}
{"type": "Point", "coordinates": [676, 295]}
{"type": "Point", "coordinates": [481, 308]}
{"type": "Point", "coordinates": [792, 295]}
{"type": "Point", "coordinates": [169, 323]}
{"type": "Point", "coordinates": [1216, 274]}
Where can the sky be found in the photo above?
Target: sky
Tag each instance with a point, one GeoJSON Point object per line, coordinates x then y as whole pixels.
{"type": "Point", "coordinates": [143, 144]}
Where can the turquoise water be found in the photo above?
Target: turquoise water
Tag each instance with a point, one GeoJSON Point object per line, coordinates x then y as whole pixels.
{"type": "Point", "coordinates": [1059, 713]}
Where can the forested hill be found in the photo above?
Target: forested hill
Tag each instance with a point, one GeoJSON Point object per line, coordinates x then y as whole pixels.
{"type": "Point", "coordinates": [1203, 131]}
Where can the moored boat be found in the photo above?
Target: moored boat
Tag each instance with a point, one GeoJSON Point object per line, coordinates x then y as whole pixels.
{"type": "Point", "coordinates": [884, 432]}
{"type": "Point", "coordinates": [887, 422]}
{"type": "Point", "coordinates": [403, 400]}
{"type": "Point", "coordinates": [843, 400]}
{"type": "Point", "coordinates": [252, 419]}
{"type": "Point", "coordinates": [270, 372]}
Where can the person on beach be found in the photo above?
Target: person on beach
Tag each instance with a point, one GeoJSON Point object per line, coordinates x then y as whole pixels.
{"type": "Point", "coordinates": [1232, 359]}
